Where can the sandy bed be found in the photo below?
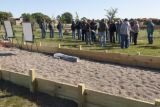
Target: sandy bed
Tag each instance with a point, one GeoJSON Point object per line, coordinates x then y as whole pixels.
{"type": "Point", "coordinates": [134, 82]}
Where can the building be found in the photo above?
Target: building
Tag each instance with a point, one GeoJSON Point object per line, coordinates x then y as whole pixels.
{"type": "Point", "coordinates": [18, 21]}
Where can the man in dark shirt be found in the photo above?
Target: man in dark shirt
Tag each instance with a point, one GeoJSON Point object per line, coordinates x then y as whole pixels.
{"type": "Point", "coordinates": [102, 32]}
{"type": "Point", "coordinates": [112, 30]}
{"type": "Point", "coordinates": [88, 32]}
{"type": "Point", "coordinates": [78, 27]}
{"type": "Point", "coordinates": [51, 28]}
{"type": "Point", "coordinates": [84, 22]}
{"type": "Point", "coordinates": [93, 30]}
{"type": "Point", "coordinates": [73, 28]}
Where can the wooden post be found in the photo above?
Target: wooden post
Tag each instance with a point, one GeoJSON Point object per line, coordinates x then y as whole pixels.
{"type": "Point", "coordinates": [106, 51]}
{"type": "Point", "coordinates": [81, 95]}
{"type": "Point", "coordinates": [80, 47]}
{"type": "Point", "coordinates": [32, 79]}
{"type": "Point", "coordinates": [138, 53]}
{"type": "Point", "coordinates": [157, 103]}
{"type": "Point", "coordinates": [40, 44]}
{"type": "Point", "coordinates": [24, 43]}
{"type": "Point", "coordinates": [59, 45]}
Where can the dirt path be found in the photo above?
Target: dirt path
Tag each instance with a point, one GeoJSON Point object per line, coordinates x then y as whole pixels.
{"type": "Point", "coordinates": [134, 82]}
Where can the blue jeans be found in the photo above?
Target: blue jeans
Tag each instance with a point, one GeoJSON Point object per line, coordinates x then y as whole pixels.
{"type": "Point", "coordinates": [73, 34]}
{"type": "Point", "coordinates": [88, 38]}
{"type": "Point", "coordinates": [93, 36]}
{"type": "Point", "coordinates": [125, 41]}
{"type": "Point", "coordinates": [102, 34]}
{"type": "Point", "coordinates": [60, 34]}
{"type": "Point", "coordinates": [119, 38]}
{"type": "Point", "coordinates": [43, 33]}
{"type": "Point", "coordinates": [79, 34]}
{"type": "Point", "coordinates": [52, 33]}
{"type": "Point", "coordinates": [150, 38]}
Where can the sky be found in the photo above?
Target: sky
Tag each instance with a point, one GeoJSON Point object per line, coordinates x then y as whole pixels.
{"type": "Point", "coordinates": [85, 8]}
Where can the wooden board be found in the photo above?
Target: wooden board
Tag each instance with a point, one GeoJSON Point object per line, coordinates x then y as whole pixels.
{"type": "Point", "coordinates": [107, 100]}
{"type": "Point", "coordinates": [57, 89]}
{"type": "Point", "coordinates": [16, 78]}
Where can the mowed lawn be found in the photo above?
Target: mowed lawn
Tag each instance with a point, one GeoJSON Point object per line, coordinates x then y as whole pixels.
{"type": "Point", "coordinates": [67, 42]}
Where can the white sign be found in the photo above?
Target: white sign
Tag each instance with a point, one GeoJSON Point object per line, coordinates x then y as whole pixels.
{"type": "Point", "coordinates": [8, 29]}
{"type": "Point", "coordinates": [27, 32]}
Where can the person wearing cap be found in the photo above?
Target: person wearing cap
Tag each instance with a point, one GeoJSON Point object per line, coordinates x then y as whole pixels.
{"type": "Point", "coordinates": [125, 34]}
{"type": "Point", "coordinates": [150, 31]}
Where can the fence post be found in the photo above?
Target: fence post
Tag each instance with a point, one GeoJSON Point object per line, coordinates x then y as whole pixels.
{"type": "Point", "coordinates": [32, 78]}
{"type": "Point", "coordinates": [81, 95]}
{"type": "Point", "coordinates": [105, 51]}
{"type": "Point", "coordinates": [157, 103]}
{"type": "Point", "coordinates": [80, 47]}
{"type": "Point", "coordinates": [138, 53]}
{"type": "Point", "coordinates": [59, 45]}
{"type": "Point", "coordinates": [24, 43]}
{"type": "Point", "coordinates": [40, 44]}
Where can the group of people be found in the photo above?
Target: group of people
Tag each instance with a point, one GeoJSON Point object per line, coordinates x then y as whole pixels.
{"type": "Point", "coordinates": [51, 26]}
{"type": "Point", "coordinates": [123, 31]}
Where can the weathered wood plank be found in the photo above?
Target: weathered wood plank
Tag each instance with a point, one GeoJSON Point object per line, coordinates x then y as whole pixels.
{"type": "Point", "coordinates": [107, 100]}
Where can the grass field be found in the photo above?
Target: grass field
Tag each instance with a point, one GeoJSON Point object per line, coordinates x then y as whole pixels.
{"type": "Point", "coordinates": [143, 47]}
{"type": "Point", "coordinates": [12, 95]}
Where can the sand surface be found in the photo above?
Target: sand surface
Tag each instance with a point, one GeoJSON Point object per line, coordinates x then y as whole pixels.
{"type": "Point", "coordinates": [133, 82]}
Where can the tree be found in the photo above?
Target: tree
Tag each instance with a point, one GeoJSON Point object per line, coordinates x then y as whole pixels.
{"type": "Point", "coordinates": [111, 13]}
{"type": "Point", "coordinates": [28, 18]}
{"type": "Point", "coordinates": [66, 17]}
{"type": "Point", "coordinates": [83, 18]}
{"type": "Point", "coordinates": [5, 15]}
{"type": "Point", "coordinates": [39, 17]}
{"type": "Point", "coordinates": [77, 16]}
{"type": "Point", "coordinates": [58, 18]}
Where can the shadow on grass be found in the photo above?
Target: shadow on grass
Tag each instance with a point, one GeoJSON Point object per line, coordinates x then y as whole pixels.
{"type": "Point", "coordinates": [40, 99]}
{"type": "Point", "coordinates": [149, 47]}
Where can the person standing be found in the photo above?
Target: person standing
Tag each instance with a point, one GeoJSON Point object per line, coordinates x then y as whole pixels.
{"type": "Point", "coordinates": [93, 30]}
{"type": "Point", "coordinates": [73, 28]}
{"type": "Point", "coordinates": [112, 30]}
{"type": "Point", "coordinates": [150, 31]}
{"type": "Point", "coordinates": [51, 28]}
{"type": "Point", "coordinates": [44, 28]}
{"type": "Point", "coordinates": [102, 32]}
{"type": "Point", "coordinates": [118, 27]}
{"type": "Point", "coordinates": [60, 29]}
{"type": "Point", "coordinates": [136, 31]}
{"type": "Point", "coordinates": [132, 30]}
{"type": "Point", "coordinates": [78, 27]}
{"type": "Point", "coordinates": [125, 34]}
{"type": "Point", "coordinates": [107, 30]}
{"type": "Point", "coordinates": [88, 32]}
{"type": "Point", "coordinates": [84, 22]}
